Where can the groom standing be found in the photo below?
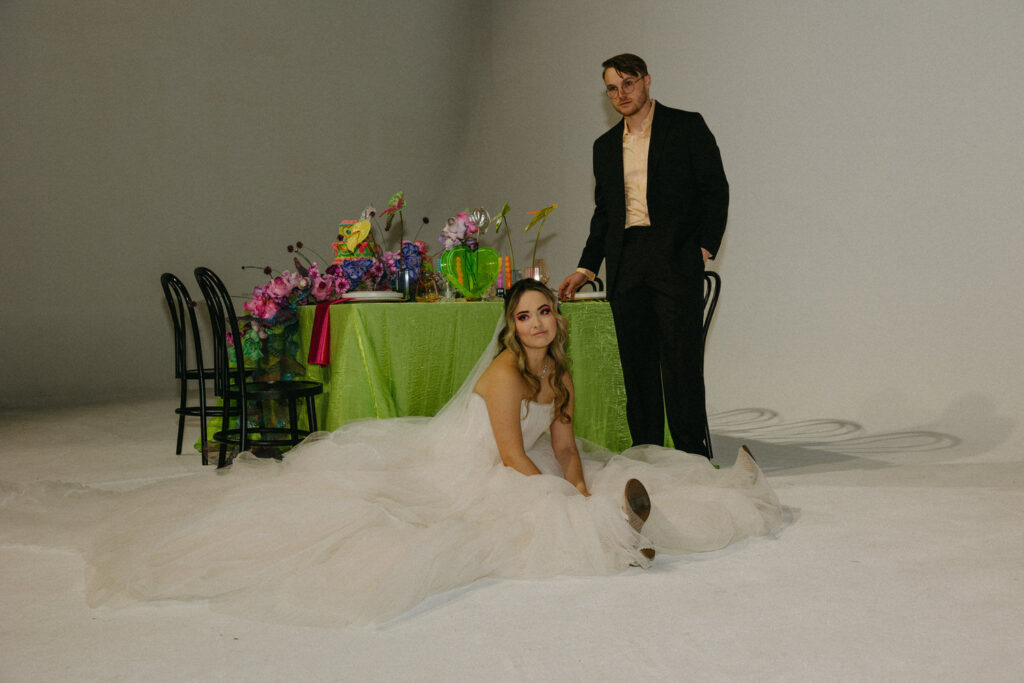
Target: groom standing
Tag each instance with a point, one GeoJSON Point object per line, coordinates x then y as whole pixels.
{"type": "Point", "coordinates": [661, 203]}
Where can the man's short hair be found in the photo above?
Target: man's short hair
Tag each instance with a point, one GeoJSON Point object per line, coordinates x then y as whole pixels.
{"type": "Point", "coordinates": [626, 64]}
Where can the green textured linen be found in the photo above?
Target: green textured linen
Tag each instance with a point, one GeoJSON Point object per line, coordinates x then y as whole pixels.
{"type": "Point", "coordinates": [401, 359]}
{"type": "Point", "coordinates": [396, 359]}
{"type": "Point", "coordinates": [597, 375]}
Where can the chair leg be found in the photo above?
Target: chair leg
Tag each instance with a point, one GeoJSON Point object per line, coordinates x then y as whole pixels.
{"type": "Point", "coordinates": [181, 414]}
{"type": "Point", "coordinates": [225, 424]}
{"type": "Point", "coordinates": [293, 420]}
{"type": "Point", "coordinates": [243, 425]}
{"type": "Point", "coordinates": [181, 433]}
{"type": "Point", "coordinates": [311, 413]}
{"type": "Point", "coordinates": [202, 417]}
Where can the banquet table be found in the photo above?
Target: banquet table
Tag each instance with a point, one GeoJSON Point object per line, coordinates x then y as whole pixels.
{"type": "Point", "coordinates": [391, 359]}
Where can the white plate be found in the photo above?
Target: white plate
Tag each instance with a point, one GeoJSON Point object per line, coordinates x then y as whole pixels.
{"type": "Point", "coordinates": [588, 296]}
{"type": "Point", "coordinates": [373, 296]}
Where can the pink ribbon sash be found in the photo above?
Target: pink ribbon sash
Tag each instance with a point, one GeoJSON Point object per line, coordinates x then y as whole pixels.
{"type": "Point", "coordinates": [320, 339]}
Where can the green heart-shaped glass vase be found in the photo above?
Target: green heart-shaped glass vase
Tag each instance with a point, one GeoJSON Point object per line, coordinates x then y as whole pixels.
{"type": "Point", "coordinates": [470, 272]}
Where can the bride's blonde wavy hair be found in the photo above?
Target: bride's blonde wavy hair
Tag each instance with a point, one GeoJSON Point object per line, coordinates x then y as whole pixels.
{"type": "Point", "coordinates": [556, 350]}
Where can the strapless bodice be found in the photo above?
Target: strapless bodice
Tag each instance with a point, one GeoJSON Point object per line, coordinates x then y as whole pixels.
{"type": "Point", "coordinates": [534, 418]}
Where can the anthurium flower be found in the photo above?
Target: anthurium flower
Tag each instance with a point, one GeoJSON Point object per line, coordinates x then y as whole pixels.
{"type": "Point", "coordinates": [358, 233]}
{"type": "Point", "coordinates": [541, 216]}
{"type": "Point", "coordinates": [395, 204]}
{"type": "Point", "coordinates": [501, 220]}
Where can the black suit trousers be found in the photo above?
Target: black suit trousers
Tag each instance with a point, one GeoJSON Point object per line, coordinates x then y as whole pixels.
{"type": "Point", "coordinates": [658, 308]}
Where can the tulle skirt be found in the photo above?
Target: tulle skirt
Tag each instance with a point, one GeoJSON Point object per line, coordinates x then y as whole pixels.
{"type": "Point", "coordinates": [361, 525]}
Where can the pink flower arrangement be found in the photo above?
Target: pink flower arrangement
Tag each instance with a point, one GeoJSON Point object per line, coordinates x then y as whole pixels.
{"type": "Point", "coordinates": [262, 305]}
{"type": "Point", "coordinates": [289, 289]}
{"type": "Point", "coordinates": [460, 231]}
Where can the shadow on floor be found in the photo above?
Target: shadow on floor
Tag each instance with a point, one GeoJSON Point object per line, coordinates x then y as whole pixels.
{"type": "Point", "coordinates": [815, 445]}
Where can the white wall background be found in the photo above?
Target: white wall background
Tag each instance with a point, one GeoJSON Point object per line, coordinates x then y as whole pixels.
{"type": "Point", "coordinates": [875, 152]}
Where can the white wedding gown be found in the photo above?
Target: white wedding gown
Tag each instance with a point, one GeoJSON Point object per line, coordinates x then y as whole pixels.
{"type": "Point", "coordinates": [362, 524]}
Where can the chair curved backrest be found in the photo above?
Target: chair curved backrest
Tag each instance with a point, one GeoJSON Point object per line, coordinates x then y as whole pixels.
{"type": "Point", "coordinates": [181, 304]}
{"type": "Point", "coordinates": [237, 389]}
{"type": "Point", "coordinates": [712, 288]}
{"type": "Point", "coordinates": [222, 322]}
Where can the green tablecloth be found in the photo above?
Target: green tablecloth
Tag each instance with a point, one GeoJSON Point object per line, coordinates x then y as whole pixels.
{"type": "Point", "coordinates": [401, 359]}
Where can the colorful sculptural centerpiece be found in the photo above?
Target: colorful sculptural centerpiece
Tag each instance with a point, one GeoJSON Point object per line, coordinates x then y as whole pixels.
{"type": "Point", "coordinates": [360, 256]}
{"type": "Point", "coordinates": [469, 268]}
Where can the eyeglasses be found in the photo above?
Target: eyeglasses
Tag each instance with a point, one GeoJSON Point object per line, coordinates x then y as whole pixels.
{"type": "Point", "coordinates": [628, 85]}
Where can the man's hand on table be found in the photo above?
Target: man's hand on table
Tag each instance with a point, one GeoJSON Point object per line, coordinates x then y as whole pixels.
{"type": "Point", "coordinates": [567, 292]}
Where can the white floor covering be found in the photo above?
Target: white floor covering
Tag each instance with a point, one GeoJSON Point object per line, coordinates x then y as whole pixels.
{"type": "Point", "coordinates": [902, 559]}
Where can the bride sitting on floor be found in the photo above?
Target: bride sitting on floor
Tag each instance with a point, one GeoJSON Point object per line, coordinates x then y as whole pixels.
{"type": "Point", "coordinates": [361, 524]}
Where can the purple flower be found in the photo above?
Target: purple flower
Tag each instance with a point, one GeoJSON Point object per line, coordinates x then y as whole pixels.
{"type": "Point", "coordinates": [341, 283]}
{"type": "Point", "coordinates": [411, 258]}
{"type": "Point", "coordinates": [322, 288]}
{"type": "Point", "coordinates": [375, 273]}
{"type": "Point", "coordinates": [355, 270]}
{"type": "Point", "coordinates": [390, 262]}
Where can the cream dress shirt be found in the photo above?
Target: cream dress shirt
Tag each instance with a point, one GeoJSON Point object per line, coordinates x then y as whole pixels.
{"type": "Point", "coordinates": [635, 147]}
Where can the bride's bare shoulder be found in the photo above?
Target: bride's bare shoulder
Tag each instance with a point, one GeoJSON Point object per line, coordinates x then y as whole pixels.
{"type": "Point", "coordinates": [501, 376]}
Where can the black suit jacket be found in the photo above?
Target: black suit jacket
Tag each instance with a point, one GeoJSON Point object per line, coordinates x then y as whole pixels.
{"type": "Point", "coordinates": [687, 192]}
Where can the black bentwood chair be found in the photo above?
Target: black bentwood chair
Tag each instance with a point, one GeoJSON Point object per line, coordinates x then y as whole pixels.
{"type": "Point", "coordinates": [235, 388]}
{"type": "Point", "coordinates": [181, 304]}
{"type": "Point", "coordinates": [712, 288]}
